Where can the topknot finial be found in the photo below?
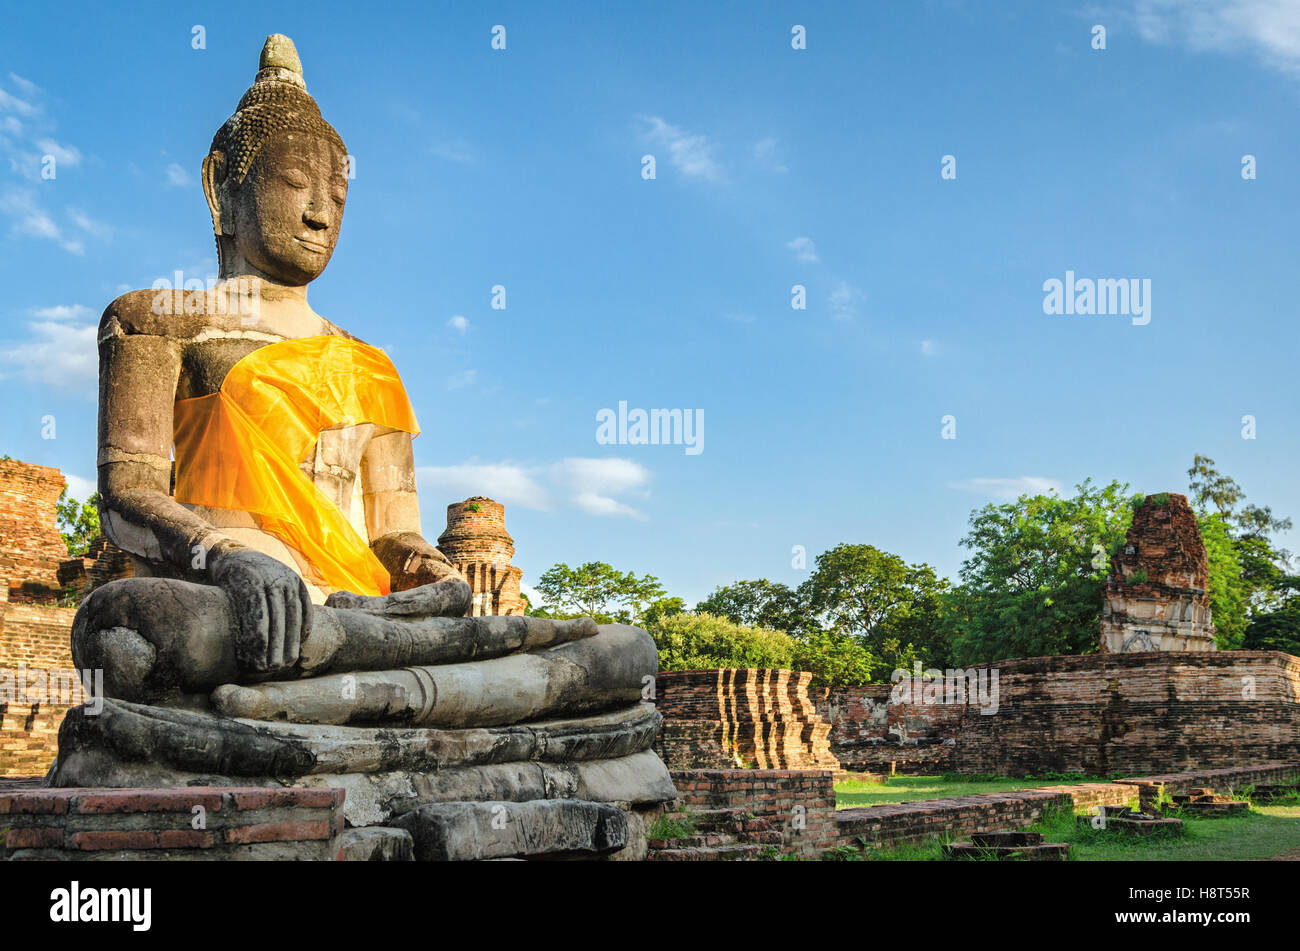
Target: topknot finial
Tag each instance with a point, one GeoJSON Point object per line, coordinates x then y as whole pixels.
{"type": "Point", "coordinates": [279, 61]}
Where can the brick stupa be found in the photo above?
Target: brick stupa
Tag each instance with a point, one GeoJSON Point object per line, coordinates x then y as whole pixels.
{"type": "Point", "coordinates": [1156, 597]}
{"type": "Point", "coordinates": [477, 543]}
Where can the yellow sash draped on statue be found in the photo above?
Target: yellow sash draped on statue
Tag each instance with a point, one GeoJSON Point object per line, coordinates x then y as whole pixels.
{"type": "Point", "coordinates": [239, 448]}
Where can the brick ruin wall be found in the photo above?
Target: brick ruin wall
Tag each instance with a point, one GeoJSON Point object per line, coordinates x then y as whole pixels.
{"type": "Point", "coordinates": [719, 719]}
{"type": "Point", "coordinates": [1099, 714]}
{"type": "Point", "coordinates": [35, 631]}
{"type": "Point", "coordinates": [30, 544]}
{"type": "Point", "coordinates": [1127, 714]}
{"type": "Point", "coordinates": [868, 733]}
{"type": "Point", "coordinates": [800, 803]}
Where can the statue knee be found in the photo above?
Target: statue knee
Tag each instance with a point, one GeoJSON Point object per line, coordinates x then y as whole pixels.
{"type": "Point", "coordinates": [125, 657]}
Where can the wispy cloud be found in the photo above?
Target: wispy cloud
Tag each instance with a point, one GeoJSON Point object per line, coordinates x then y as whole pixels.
{"type": "Point", "coordinates": [458, 323]}
{"type": "Point", "coordinates": [27, 217]}
{"type": "Point", "coordinates": [845, 301]}
{"type": "Point", "coordinates": [590, 485]}
{"type": "Point", "coordinates": [59, 349]}
{"type": "Point", "coordinates": [1008, 488]}
{"type": "Point", "coordinates": [175, 176]}
{"type": "Point", "coordinates": [1267, 29]}
{"type": "Point", "coordinates": [765, 152]}
{"type": "Point", "coordinates": [689, 152]}
{"type": "Point", "coordinates": [804, 249]}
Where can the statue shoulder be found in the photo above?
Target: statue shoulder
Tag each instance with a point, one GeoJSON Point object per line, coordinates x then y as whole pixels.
{"type": "Point", "coordinates": [158, 313]}
{"type": "Point", "coordinates": [134, 313]}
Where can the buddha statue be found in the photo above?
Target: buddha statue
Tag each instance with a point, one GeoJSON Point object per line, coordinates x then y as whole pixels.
{"type": "Point", "coordinates": [288, 623]}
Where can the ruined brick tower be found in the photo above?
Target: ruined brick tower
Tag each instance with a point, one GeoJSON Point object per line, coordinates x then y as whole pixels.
{"type": "Point", "coordinates": [1156, 597]}
{"type": "Point", "coordinates": [477, 543]}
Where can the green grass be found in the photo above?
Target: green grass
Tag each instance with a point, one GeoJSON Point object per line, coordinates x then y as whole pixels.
{"type": "Point", "coordinates": [1263, 833]}
{"type": "Point", "coordinates": [852, 793]}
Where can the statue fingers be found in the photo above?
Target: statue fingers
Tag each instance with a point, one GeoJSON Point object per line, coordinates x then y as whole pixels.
{"type": "Point", "coordinates": [276, 595]}
{"type": "Point", "coordinates": [293, 621]}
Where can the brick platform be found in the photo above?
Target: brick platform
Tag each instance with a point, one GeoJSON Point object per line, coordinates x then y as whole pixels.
{"type": "Point", "coordinates": [799, 803]}
{"type": "Point", "coordinates": [192, 823]}
{"type": "Point", "coordinates": [715, 719]}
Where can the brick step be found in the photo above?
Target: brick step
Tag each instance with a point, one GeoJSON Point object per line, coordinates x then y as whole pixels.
{"type": "Point", "coordinates": [721, 853]}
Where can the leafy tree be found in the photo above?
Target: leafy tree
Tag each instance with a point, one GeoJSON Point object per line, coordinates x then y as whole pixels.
{"type": "Point", "coordinates": [704, 641]}
{"type": "Point", "coordinates": [1227, 589]}
{"type": "Point", "coordinates": [1247, 569]}
{"type": "Point", "coordinates": [891, 608]}
{"type": "Point", "coordinates": [598, 591]}
{"type": "Point", "coordinates": [1278, 630]}
{"type": "Point", "coordinates": [760, 603]}
{"type": "Point", "coordinates": [1033, 583]}
{"type": "Point", "coordinates": [78, 522]}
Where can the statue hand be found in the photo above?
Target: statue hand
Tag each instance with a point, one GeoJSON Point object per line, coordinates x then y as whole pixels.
{"type": "Point", "coordinates": [272, 606]}
{"type": "Point", "coordinates": [412, 562]}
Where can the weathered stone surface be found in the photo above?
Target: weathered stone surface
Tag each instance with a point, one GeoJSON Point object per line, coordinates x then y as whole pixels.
{"type": "Point", "coordinates": [378, 844]}
{"type": "Point", "coordinates": [1156, 596]}
{"type": "Point", "coordinates": [588, 674]}
{"type": "Point", "coordinates": [549, 828]}
{"type": "Point", "coordinates": [160, 739]}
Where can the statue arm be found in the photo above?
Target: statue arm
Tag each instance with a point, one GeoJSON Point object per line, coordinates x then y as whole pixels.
{"type": "Point", "coordinates": [137, 386]}
{"type": "Point", "coordinates": [393, 514]}
{"type": "Point", "coordinates": [139, 366]}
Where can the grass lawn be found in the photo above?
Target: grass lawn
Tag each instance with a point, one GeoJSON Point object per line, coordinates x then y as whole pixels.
{"type": "Point", "coordinates": [1263, 833]}
{"type": "Point", "coordinates": [852, 793]}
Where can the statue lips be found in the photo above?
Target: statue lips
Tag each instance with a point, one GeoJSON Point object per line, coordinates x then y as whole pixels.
{"type": "Point", "coordinates": [315, 247]}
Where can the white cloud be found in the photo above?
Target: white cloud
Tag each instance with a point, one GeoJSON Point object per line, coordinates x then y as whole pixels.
{"type": "Point", "coordinates": [589, 485]}
{"type": "Point", "coordinates": [462, 379]}
{"type": "Point", "coordinates": [690, 153]}
{"type": "Point", "coordinates": [60, 350]}
{"type": "Point", "coordinates": [929, 348]}
{"type": "Point", "coordinates": [11, 103]}
{"type": "Point", "coordinates": [845, 300]}
{"type": "Point", "coordinates": [508, 483]}
{"type": "Point", "coordinates": [25, 86]}
{"type": "Point", "coordinates": [593, 483]}
{"type": "Point", "coordinates": [177, 176]}
{"type": "Point", "coordinates": [535, 597]}
{"type": "Point", "coordinates": [804, 249]}
{"type": "Point", "coordinates": [79, 488]}
{"type": "Point", "coordinates": [27, 217]}
{"type": "Point", "coordinates": [458, 323]}
{"type": "Point", "coordinates": [1268, 29]}
{"type": "Point", "coordinates": [64, 312]}
{"type": "Point", "coordinates": [1009, 488]}
{"type": "Point", "coordinates": [63, 154]}
{"type": "Point", "coordinates": [88, 224]}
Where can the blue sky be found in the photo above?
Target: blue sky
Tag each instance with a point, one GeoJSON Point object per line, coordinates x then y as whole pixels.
{"type": "Point", "coordinates": [774, 167]}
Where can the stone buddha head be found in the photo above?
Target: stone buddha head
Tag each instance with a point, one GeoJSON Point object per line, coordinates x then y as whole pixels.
{"type": "Point", "coordinates": [276, 177]}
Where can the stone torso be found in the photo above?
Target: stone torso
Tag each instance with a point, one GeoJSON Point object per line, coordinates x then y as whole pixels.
{"type": "Point", "coordinates": [211, 342]}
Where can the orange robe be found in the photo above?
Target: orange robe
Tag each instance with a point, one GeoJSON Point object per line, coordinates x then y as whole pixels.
{"type": "Point", "coordinates": [239, 448]}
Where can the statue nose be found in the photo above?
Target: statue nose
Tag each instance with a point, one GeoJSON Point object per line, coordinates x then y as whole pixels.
{"type": "Point", "coordinates": [316, 216]}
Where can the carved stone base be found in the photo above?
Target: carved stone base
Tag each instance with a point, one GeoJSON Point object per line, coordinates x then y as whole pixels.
{"type": "Point", "coordinates": [386, 772]}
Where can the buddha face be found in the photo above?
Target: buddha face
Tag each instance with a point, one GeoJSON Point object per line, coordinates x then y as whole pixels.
{"type": "Point", "coordinates": [288, 210]}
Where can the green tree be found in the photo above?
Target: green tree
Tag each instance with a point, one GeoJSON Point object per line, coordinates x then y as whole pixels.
{"type": "Point", "coordinates": [1279, 629]}
{"type": "Point", "coordinates": [1033, 583]}
{"type": "Point", "coordinates": [1226, 587]}
{"type": "Point", "coordinates": [703, 641]}
{"type": "Point", "coordinates": [603, 593]}
{"type": "Point", "coordinates": [761, 603]}
{"type": "Point", "coordinates": [891, 608]}
{"type": "Point", "coordinates": [78, 522]}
